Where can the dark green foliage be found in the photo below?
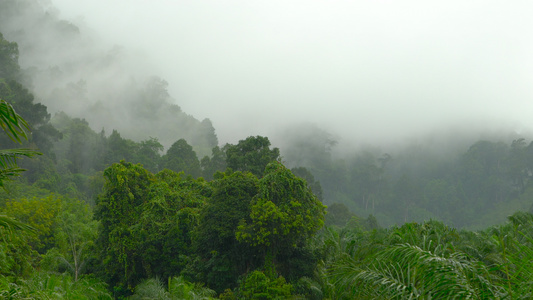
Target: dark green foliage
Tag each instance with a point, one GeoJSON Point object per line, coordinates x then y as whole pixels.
{"type": "Point", "coordinates": [118, 149]}
{"type": "Point", "coordinates": [36, 114]}
{"type": "Point", "coordinates": [224, 258]}
{"type": "Point", "coordinates": [180, 157]}
{"type": "Point", "coordinates": [306, 175]}
{"type": "Point", "coordinates": [213, 164]}
{"type": "Point", "coordinates": [283, 216]}
{"type": "Point", "coordinates": [118, 209]}
{"type": "Point", "coordinates": [251, 154]}
{"type": "Point", "coordinates": [9, 55]}
{"type": "Point", "coordinates": [338, 214]}
{"type": "Point", "coordinates": [148, 154]}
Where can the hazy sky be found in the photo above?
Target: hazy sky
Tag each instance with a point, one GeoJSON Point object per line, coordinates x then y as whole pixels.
{"type": "Point", "coordinates": [363, 69]}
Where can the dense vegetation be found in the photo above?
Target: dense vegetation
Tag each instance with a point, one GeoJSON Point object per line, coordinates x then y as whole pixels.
{"type": "Point", "coordinates": [100, 216]}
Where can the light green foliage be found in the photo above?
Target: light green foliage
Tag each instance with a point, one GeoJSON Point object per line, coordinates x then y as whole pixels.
{"type": "Point", "coordinates": [74, 239]}
{"type": "Point", "coordinates": [51, 286]}
{"type": "Point", "coordinates": [39, 213]}
{"type": "Point", "coordinates": [259, 286]}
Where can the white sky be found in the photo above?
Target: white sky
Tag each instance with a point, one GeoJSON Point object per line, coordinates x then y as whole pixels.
{"type": "Point", "coordinates": [362, 69]}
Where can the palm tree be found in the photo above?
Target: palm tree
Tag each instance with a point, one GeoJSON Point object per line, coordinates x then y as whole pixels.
{"type": "Point", "coordinates": [414, 261]}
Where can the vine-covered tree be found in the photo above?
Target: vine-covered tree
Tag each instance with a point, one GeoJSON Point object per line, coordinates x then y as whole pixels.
{"type": "Point", "coordinates": [223, 257]}
{"type": "Point", "coordinates": [284, 214]}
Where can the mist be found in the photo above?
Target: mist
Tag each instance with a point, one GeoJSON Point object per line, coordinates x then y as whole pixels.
{"type": "Point", "coordinates": [367, 71]}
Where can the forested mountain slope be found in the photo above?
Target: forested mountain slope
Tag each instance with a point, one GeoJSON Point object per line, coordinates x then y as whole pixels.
{"type": "Point", "coordinates": [69, 69]}
{"type": "Point", "coordinates": [119, 213]}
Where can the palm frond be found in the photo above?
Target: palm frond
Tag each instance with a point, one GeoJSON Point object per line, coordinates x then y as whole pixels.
{"type": "Point", "coordinates": [406, 271]}
{"type": "Point", "coordinates": [10, 224]}
{"type": "Point", "coordinates": [12, 123]}
{"type": "Point", "coordinates": [8, 157]}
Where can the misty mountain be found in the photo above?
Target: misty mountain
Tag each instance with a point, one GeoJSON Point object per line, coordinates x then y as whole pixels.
{"type": "Point", "coordinates": [69, 69]}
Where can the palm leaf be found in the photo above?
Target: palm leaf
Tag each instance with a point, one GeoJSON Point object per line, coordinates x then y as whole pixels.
{"type": "Point", "coordinates": [12, 123]}
{"type": "Point", "coordinates": [406, 272]}
{"type": "Point", "coordinates": [8, 157]}
{"type": "Point", "coordinates": [10, 224]}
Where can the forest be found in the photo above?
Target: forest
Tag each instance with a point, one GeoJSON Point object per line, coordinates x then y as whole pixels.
{"type": "Point", "coordinates": [122, 213]}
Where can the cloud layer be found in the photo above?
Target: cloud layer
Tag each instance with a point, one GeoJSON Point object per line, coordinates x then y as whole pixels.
{"type": "Point", "coordinates": [366, 70]}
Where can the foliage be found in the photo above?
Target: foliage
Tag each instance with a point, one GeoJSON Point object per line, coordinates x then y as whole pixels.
{"type": "Point", "coordinates": [252, 155]}
{"type": "Point", "coordinates": [257, 285]}
{"type": "Point", "coordinates": [178, 288]}
{"type": "Point", "coordinates": [180, 157]}
{"type": "Point", "coordinates": [74, 239]}
{"type": "Point", "coordinates": [284, 213]}
{"type": "Point", "coordinates": [210, 165]}
{"type": "Point", "coordinates": [146, 223]}
{"type": "Point", "coordinates": [15, 127]}
{"type": "Point", "coordinates": [9, 54]}
{"type": "Point", "coordinates": [44, 285]}
{"type": "Point", "coordinates": [16, 255]}
{"type": "Point", "coordinates": [224, 257]}
{"type": "Point", "coordinates": [40, 214]}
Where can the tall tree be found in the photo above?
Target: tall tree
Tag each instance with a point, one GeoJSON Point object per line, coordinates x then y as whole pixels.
{"type": "Point", "coordinates": [223, 257]}
{"type": "Point", "coordinates": [252, 155]}
{"type": "Point", "coordinates": [284, 213]}
{"type": "Point", "coordinates": [9, 55]}
{"type": "Point", "coordinates": [180, 157]}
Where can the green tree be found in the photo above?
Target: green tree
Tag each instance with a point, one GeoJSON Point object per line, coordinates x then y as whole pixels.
{"type": "Point", "coordinates": [146, 223]}
{"type": "Point", "coordinates": [15, 254]}
{"type": "Point", "coordinates": [149, 154]}
{"type": "Point", "coordinates": [252, 155]}
{"type": "Point", "coordinates": [210, 165]}
{"type": "Point", "coordinates": [284, 213]}
{"type": "Point", "coordinates": [118, 209]}
{"type": "Point", "coordinates": [74, 238]}
{"type": "Point", "coordinates": [313, 184]}
{"type": "Point", "coordinates": [118, 148]}
{"type": "Point", "coordinates": [180, 157]}
{"type": "Point", "coordinates": [223, 258]}
{"type": "Point", "coordinates": [40, 214]}
{"type": "Point", "coordinates": [9, 55]}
